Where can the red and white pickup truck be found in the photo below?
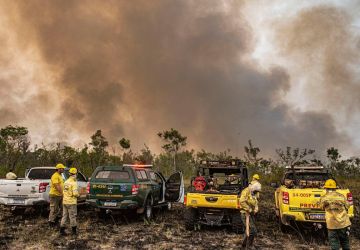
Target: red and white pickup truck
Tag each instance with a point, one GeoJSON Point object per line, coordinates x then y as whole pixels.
{"type": "Point", "coordinates": [33, 190]}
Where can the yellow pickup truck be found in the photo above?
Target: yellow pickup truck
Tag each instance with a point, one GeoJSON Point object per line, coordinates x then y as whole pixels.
{"type": "Point", "coordinates": [213, 198]}
{"type": "Point", "coordinates": [297, 200]}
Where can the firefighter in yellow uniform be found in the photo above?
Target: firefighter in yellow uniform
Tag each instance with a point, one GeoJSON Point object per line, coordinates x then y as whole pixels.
{"type": "Point", "coordinates": [255, 178]}
{"type": "Point", "coordinates": [336, 216]}
{"type": "Point", "coordinates": [248, 208]}
{"type": "Point", "coordinates": [71, 194]}
{"type": "Point", "coordinates": [55, 194]}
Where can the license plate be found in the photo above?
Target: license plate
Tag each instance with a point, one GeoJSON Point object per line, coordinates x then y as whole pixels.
{"type": "Point", "coordinates": [18, 201]}
{"type": "Point", "coordinates": [317, 216]}
{"type": "Point", "coordinates": [110, 204]}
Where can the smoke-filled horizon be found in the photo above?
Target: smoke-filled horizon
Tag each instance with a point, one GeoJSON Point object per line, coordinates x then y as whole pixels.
{"type": "Point", "coordinates": [134, 68]}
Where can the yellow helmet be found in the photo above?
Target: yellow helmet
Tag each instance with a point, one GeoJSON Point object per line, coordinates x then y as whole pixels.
{"type": "Point", "coordinates": [60, 166]}
{"type": "Point", "coordinates": [330, 184]}
{"type": "Point", "coordinates": [73, 171]}
{"type": "Point", "coordinates": [256, 177]}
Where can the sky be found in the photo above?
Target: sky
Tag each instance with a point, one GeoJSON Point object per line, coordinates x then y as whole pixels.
{"type": "Point", "coordinates": [281, 73]}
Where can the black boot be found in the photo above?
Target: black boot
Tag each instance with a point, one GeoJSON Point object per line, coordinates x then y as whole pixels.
{"type": "Point", "coordinates": [62, 231]}
{"type": "Point", "coordinates": [251, 240]}
{"type": "Point", "coordinates": [57, 220]}
{"type": "Point", "coordinates": [244, 243]}
{"type": "Point", "coordinates": [74, 230]}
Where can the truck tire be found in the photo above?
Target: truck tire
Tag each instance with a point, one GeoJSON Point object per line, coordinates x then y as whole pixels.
{"type": "Point", "coordinates": [101, 214]}
{"type": "Point", "coordinates": [17, 210]}
{"type": "Point", "coordinates": [237, 225]}
{"type": "Point", "coordinates": [190, 217]}
{"type": "Point", "coordinates": [283, 228]}
{"type": "Point", "coordinates": [148, 209]}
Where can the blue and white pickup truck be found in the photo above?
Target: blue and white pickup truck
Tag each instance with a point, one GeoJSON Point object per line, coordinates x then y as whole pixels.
{"type": "Point", "coordinates": [33, 190]}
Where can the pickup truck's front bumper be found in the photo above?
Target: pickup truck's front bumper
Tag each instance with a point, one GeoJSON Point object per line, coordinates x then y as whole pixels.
{"type": "Point", "coordinates": [125, 204]}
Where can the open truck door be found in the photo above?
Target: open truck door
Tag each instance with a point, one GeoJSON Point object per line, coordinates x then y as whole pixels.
{"type": "Point", "coordinates": [174, 188]}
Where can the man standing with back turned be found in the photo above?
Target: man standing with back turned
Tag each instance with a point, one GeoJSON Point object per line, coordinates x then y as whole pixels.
{"type": "Point", "coordinates": [71, 194]}
{"type": "Point", "coordinates": [56, 193]}
{"type": "Point", "coordinates": [336, 216]}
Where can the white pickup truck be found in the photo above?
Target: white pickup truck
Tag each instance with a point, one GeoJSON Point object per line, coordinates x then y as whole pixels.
{"type": "Point", "coordinates": [33, 190]}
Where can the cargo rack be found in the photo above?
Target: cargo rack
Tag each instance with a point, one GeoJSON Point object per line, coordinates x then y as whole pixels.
{"type": "Point", "coordinates": [216, 164]}
{"type": "Point", "coordinates": [305, 168]}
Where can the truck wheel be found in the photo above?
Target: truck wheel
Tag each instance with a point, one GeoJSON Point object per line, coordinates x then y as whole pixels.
{"type": "Point", "coordinates": [148, 213]}
{"type": "Point", "coordinates": [17, 210]}
{"type": "Point", "coordinates": [283, 228]}
{"type": "Point", "coordinates": [44, 211]}
{"type": "Point", "coordinates": [237, 225]}
{"type": "Point", "coordinates": [190, 218]}
{"type": "Point", "coordinates": [101, 214]}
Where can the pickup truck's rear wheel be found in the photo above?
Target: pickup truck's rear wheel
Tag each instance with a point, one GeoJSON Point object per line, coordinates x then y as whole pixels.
{"type": "Point", "coordinates": [101, 214]}
{"type": "Point", "coordinates": [17, 210]}
{"type": "Point", "coordinates": [190, 218]}
{"type": "Point", "coordinates": [283, 228]}
{"type": "Point", "coordinates": [237, 225]}
{"type": "Point", "coordinates": [148, 213]}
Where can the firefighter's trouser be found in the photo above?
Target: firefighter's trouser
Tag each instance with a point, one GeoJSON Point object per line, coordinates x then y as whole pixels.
{"type": "Point", "coordinates": [339, 238]}
{"type": "Point", "coordinates": [69, 213]}
{"type": "Point", "coordinates": [55, 207]}
{"type": "Point", "coordinates": [252, 227]}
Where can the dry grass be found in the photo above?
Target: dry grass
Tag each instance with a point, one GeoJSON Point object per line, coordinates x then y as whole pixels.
{"type": "Point", "coordinates": [166, 231]}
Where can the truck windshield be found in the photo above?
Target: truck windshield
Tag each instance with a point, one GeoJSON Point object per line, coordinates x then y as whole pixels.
{"type": "Point", "coordinates": [113, 175]}
{"type": "Point", "coordinates": [40, 174]}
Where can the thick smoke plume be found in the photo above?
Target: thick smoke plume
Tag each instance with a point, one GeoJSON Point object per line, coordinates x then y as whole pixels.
{"type": "Point", "coordinates": [133, 68]}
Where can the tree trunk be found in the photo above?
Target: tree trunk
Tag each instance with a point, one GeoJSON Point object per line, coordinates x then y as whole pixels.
{"type": "Point", "coordinates": [174, 161]}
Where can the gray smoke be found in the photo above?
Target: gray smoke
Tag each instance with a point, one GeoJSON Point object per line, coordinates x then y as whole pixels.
{"type": "Point", "coordinates": [133, 68]}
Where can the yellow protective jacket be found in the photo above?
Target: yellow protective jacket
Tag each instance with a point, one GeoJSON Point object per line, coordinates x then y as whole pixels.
{"type": "Point", "coordinates": [56, 178]}
{"type": "Point", "coordinates": [335, 206]}
{"type": "Point", "coordinates": [70, 192]}
{"type": "Point", "coordinates": [248, 202]}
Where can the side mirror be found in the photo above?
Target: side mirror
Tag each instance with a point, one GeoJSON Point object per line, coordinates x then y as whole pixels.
{"type": "Point", "coordinates": [274, 184]}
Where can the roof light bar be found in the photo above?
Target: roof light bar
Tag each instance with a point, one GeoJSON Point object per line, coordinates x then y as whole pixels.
{"type": "Point", "coordinates": [138, 165]}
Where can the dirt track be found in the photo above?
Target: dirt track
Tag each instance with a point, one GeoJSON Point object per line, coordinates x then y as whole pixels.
{"type": "Point", "coordinates": [30, 231]}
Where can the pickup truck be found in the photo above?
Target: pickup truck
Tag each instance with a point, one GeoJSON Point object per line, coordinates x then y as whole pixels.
{"type": "Point", "coordinates": [214, 196]}
{"type": "Point", "coordinates": [33, 190]}
{"type": "Point", "coordinates": [297, 200]}
{"type": "Point", "coordinates": [133, 187]}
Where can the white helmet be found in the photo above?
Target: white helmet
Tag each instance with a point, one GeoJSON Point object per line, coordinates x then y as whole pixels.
{"type": "Point", "coordinates": [255, 187]}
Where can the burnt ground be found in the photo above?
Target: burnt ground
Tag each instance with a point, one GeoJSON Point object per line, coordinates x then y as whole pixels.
{"type": "Point", "coordinates": [29, 230]}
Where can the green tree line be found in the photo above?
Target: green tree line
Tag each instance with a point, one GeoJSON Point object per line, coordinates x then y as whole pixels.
{"type": "Point", "coordinates": [17, 155]}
